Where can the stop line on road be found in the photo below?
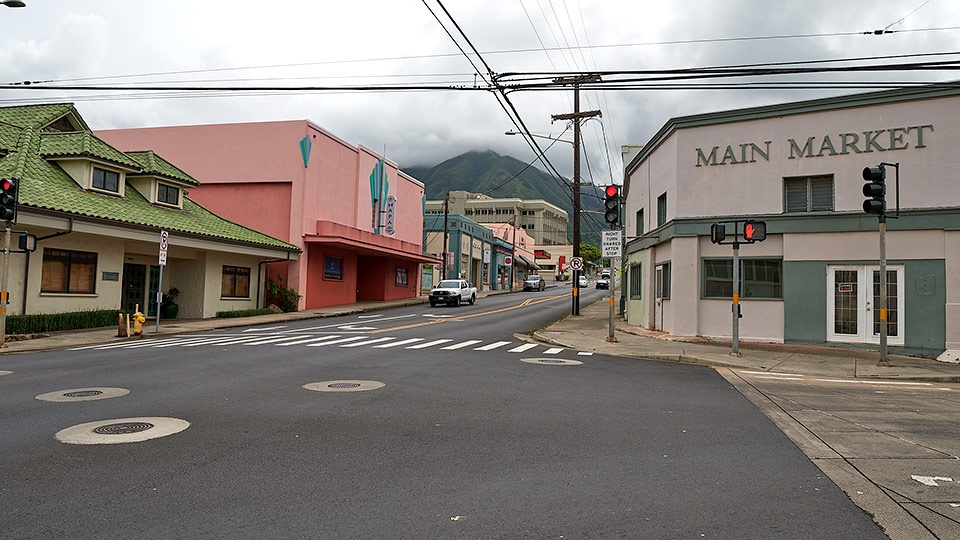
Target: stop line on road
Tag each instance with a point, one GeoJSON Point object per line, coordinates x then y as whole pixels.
{"type": "Point", "coordinates": [329, 340]}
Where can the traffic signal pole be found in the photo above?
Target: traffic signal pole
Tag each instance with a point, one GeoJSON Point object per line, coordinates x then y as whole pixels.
{"type": "Point", "coordinates": [875, 191]}
{"type": "Point", "coordinates": [884, 361]}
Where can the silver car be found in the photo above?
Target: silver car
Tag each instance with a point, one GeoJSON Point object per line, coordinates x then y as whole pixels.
{"type": "Point", "coordinates": [534, 283]}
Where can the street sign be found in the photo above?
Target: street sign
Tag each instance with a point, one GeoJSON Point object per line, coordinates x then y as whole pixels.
{"type": "Point", "coordinates": [576, 263]}
{"type": "Point", "coordinates": [508, 261]}
{"type": "Point", "coordinates": [611, 244]}
{"type": "Point", "coordinates": [164, 242]}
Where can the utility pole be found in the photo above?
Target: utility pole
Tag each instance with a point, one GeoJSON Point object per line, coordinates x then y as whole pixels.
{"type": "Point", "coordinates": [446, 205]}
{"type": "Point", "coordinates": [513, 247]}
{"type": "Point", "coordinates": [576, 116]}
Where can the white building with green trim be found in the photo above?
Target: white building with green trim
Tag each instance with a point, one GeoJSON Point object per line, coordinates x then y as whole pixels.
{"type": "Point", "coordinates": [98, 214]}
{"type": "Point", "coordinates": [798, 166]}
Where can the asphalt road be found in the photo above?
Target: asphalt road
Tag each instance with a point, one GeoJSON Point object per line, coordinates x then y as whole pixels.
{"type": "Point", "coordinates": [447, 425]}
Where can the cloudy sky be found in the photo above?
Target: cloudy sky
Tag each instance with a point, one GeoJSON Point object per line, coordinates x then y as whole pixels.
{"type": "Point", "coordinates": [407, 43]}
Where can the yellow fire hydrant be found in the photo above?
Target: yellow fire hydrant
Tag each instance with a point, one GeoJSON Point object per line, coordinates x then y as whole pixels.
{"type": "Point", "coordinates": [138, 320]}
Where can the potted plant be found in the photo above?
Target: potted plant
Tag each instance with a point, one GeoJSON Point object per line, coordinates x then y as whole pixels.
{"type": "Point", "coordinates": [168, 304]}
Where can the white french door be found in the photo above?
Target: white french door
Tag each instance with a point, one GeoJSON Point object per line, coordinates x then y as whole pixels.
{"type": "Point", "coordinates": [853, 298]}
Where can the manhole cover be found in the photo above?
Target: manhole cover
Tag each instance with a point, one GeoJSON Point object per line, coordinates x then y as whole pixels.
{"type": "Point", "coordinates": [122, 428]}
{"type": "Point", "coordinates": [552, 361]}
{"type": "Point", "coordinates": [344, 386]}
{"type": "Point", "coordinates": [83, 393]}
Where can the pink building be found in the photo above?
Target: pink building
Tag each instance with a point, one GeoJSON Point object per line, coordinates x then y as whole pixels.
{"type": "Point", "coordinates": [357, 218]}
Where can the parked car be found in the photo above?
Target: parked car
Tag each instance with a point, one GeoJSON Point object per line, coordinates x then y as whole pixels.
{"type": "Point", "coordinates": [452, 292]}
{"type": "Point", "coordinates": [583, 281]}
{"type": "Point", "coordinates": [534, 283]}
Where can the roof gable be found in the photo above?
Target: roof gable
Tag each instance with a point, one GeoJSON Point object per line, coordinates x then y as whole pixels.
{"type": "Point", "coordinates": [45, 117]}
{"type": "Point", "coordinates": [154, 165]}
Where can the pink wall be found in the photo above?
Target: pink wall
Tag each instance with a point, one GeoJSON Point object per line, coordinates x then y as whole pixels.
{"type": "Point", "coordinates": [241, 164]}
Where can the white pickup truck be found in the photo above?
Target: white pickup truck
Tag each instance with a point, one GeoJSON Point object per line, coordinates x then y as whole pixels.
{"type": "Point", "coordinates": [452, 292]}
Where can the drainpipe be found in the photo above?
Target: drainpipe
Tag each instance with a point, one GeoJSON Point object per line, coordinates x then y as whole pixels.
{"type": "Point", "coordinates": [260, 272]}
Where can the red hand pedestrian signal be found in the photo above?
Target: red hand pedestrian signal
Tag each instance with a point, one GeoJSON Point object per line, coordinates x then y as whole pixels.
{"type": "Point", "coordinates": [755, 231]}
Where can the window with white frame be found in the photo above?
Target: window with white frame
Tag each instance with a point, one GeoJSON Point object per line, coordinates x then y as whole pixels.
{"type": "Point", "coordinates": [168, 194]}
{"type": "Point", "coordinates": [106, 180]}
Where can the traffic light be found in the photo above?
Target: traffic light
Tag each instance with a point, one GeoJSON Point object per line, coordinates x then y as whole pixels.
{"type": "Point", "coordinates": [875, 190]}
{"type": "Point", "coordinates": [755, 231]}
{"type": "Point", "coordinates": [8, 200]}
{"type": "Point", "coordinates": [611, 203]}
{"type": "Point", "coordinates": [718, 232]}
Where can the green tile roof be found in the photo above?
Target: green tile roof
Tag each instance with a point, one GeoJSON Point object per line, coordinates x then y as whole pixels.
{"type": "Point", "coordinates": [152, 164]}
{"type": "Point", "coordinates": [39, 116]}
{"type": "Point", "coordinates": [44, 185]}
{"type": "Point", "coordinates": [82, 144]}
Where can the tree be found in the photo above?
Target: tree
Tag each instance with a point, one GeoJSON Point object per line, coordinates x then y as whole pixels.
{"type": "Point", "coordinates": [591, 253]}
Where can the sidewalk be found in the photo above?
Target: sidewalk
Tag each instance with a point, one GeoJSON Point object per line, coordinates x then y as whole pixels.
{"type": "Point", "coordinates": [586, 332]}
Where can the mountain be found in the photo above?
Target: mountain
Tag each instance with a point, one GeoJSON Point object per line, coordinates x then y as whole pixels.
{"type": "Point", "coordinates": [505, 177]}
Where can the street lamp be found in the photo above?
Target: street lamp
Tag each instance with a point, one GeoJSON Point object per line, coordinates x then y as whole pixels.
{"type": "Point", "coordinates": [13, 3]}
{"type": "Point", "coordinates": [535, 135]}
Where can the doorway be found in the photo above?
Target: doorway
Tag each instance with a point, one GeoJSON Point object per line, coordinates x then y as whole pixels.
{"type": "Point", "coordinates": [853, 298]}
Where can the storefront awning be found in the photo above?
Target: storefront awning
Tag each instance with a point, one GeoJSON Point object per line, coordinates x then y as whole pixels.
{"type": "Point", "coordinates": [528, 264]}
{"type": "Point", "coordinates": [367, 243]}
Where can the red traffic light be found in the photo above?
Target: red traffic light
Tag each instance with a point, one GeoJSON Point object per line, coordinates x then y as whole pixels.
{"type": "Point", "coordinates": [612, 191]}
{"type": "Point", "coordinates": [7, 184]}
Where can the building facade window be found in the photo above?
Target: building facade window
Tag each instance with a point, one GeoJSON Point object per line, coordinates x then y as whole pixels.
{"type": "Point", "coordinates": [663, 280]}
{"type": "Point", "coordinates": [640, 222]}
{"type": "Point", "coordinates": [332, 268]}
{"type": "Point", "coordinates": [808, 194]}
{"type": "Point", "coordinates": [636, 281]}
{"type": "Point", "coordinates": [401, 277]}
{"type": "Point", "coordinates": [235, 282]}
{"type": "Point", "coordinates": [661, 210]}
{"type": "Point", "coordinates": [71, 272]}
{"type": "Point", "coordinates": [106, 180]}
{"type": "Point", "coordinates": [759, 278]}
{"type": "Point", "coordinates": [168, 194]}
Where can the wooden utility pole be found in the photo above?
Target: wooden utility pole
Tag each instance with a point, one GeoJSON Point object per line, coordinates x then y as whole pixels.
{"type": "Point", "coordinates": [576, 117]}
{"type": "Point", "coordinates": [446, 212]}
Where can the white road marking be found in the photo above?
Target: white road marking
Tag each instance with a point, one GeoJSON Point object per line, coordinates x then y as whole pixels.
{"type": "Point", "coordinates": [308, 340]}
{"type": "Point", "coordinates": [233, 340]}
{"type": "Point", "coordinates": [553, 350]}
{"type": "Point", "coordinates": [524, 347]}
{"type": "Point", "coordinates": [492, 346]}
{"type": "Point", "coordinates": [467, 343]}
{"type": "Point", "coordinates": [192, 339]}
{"type": "Point", "coordinates": [369, 342]}
{"type": "Point", "coordinates": [930, 480]}
{"type": "Point", "coordinates": [119, 345]}
{"type": "Point", "coordinates": [336, 341]}
{"type": "Point", "coordinates": [273, 339]}
{"type": "Point", "coordinates": [430, 344]}
{"type": "Point", "coordinates": [352, 327]}
{"type": "Point", "coordinates": [398, 343]}
{"type": "Point", "coordinates": [264, 328]}
{"type": "Point", "coordinates": [369, 316]}
{"type": "Point", "coordinates": [581, 353]}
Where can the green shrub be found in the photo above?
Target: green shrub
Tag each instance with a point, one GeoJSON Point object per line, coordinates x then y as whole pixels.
{"type": "Point", "coordinates": [243, 313]}
{"type": "Point", "coordinates": [289, 298]}
{"type": "Point", "coordinates": [58, 322]}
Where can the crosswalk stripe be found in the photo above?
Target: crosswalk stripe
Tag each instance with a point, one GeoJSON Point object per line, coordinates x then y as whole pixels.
{"type": "Point", "coordinates": [524, 347]}
{"type": "Point", "coordinates": [430, 344]}
{"type": "Point", "coordinates": [269, 340]}
{"type": "Point", "coordinates": [232, 340]}
{"type": "Point", "coordinates": [492, 346]}
{"type": "Point", "coordinates": [121, 345]}
{"type": "Point", "coordinates": [398, 343]}
{"type": "Point", "coordinates": [553, 350]}
{"type": "Point", "coordinates": [309, 340]}
{"type": "Point", "coordinates": [336, 341]}
{"type": "Point", "coordinates": [461, 345]}
{"type": "Point", "coordinates": [369, 342]}
{"type": "Point", "coordinates": [192, 339]}
{"type": "Point", "coordinates": [581, 353]}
